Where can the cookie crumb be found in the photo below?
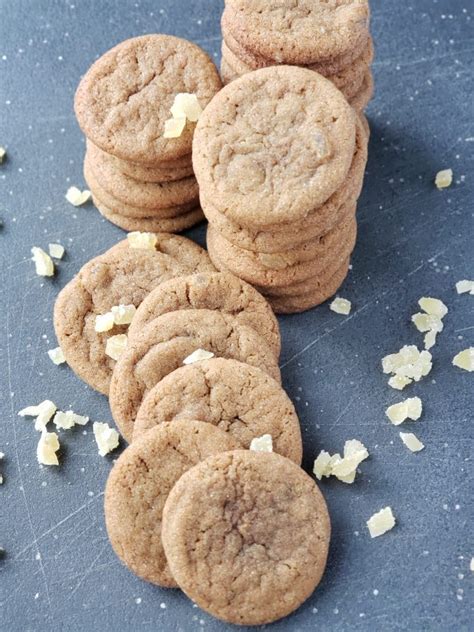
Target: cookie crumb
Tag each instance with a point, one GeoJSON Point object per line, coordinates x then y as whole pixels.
{"type": "Point", "coordinates": [174, 127]}
{"type": "Point", "coordinates": [115, 346]}
{"type": "Point", "coordinates": [381, 522]}
{"type": "Point", "coordinates": [76, 197]}
{"type": "Point", "coordinates": [341, 306]}
{"type": "Point", "coordinates": [68, 419]}
{"type": "Point", "coordinates": [262, 444]}
{"type": "Point", "coordinates": [197, 356]}
{"type": "Point", "coordinates": [43, 263]}
{"type": "Point", "coordinates": [430, 339]}
{"type": "Point", "coordinates": [56, 356]}
{"type": "Point", "coordinates": [104, 322]}
{"type": "Point", "coordinates": [107, 438]}
{"type": "Point", "coordinates": [444, 178]}
{"type": "Point", "coordinates": [410, 408]}
{"type": "Point", "coordinates": [47, 447]}
{"type": "Point", "coordinates": [471, 565]}
{"type": "Point", "coordinates": [433, 306]}
{"type": "Point", "coordinates": [465, 359]}
{"type": "Point", "coordinates": [56, 251]}
{"type": "Point", "coordinates": [43, 413]}
{"type": "Point", "coordinates": [399, 382]}
{"type": "Point", "coordinates": [3, 153]}
{"type": "Point", "coordinates": [123, 314]}
{"type": "Point", "coordinates": [462, 287]}
{"type": "Point", "coordinates": [186, 105]}
{"type": "Point", "coordinates": [145, 241]}
{"type": "Point", "coordinates": [411, 441]}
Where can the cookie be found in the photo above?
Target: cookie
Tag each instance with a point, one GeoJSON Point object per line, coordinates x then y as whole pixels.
{"type": "Point", "coordinates": [217, 291]}
{"type": "Point", "coordinates": [124, 99]}
{"type": "Point", "coordinates": [121, 275]}
{"type": "Point", "coordinates": [273, 145]}
{"type": "Point", "coordinates": [146, 195]}
{"type": "Point", "coordinates": [139, 484]}
{"type": "Point", "coordinates": [239, 399]}
{"type": "Point", "coordinates": [283, 236]}
{"type": "Point", "coordinates": [361, 100]}
{"type": "Point", "coordinates": [286, 267]}
{"type": "Point", "coordinates": [316, 296]}
{"type": "Point", "coordinates": [302, 33]}
{"type": "Point", "coordinates": [323, 65]}
{"type": "Point", "coordinates": [152, 223]}
{"type": "Point", "coordinates": [246, 535]}
{"type": "Point", "coordinates": [129, 210]}
{"type": "Point", "coordinates": [166, 342]}
{"type": "Point", "coordinates": [165, 172]}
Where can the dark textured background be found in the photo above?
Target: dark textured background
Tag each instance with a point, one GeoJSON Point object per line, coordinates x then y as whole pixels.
{"type": "Point", "coordinates": [59, 571]}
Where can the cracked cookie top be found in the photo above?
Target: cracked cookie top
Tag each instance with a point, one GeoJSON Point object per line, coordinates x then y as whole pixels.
{"type": "Point", "coordinates": [274, 145]}
{"type": "Point", "coordinates": [125, 97]}
{"type": "Point", "coordinates": [256, 548]}
{"type": "Point", "coordinates": [139, 483]}
{"type": "Point", "coordinates": [299, 31]}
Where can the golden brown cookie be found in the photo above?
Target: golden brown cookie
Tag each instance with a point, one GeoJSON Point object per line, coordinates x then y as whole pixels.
{"type": "Point", "coordinates": [238, 398]}
{"type": "Point", "coordinates": [125, 97]}
{"type": "Point", "coordinates": [166, 342]}
{"type": "Point", "coordinates": [361, 100]}
{"type": "Point", "coordinates": [217, 291]}
{"type": "Point", "coordinates": [121, 275]}
{"type": "Point", "coordinates": [246, 535]}
{"type": "Point", "coordinates": [139, 484]}
{"type": "Point", "coordinates": [273, 145]}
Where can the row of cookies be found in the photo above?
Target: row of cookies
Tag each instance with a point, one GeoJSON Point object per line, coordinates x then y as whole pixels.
{"type": "Point", "coordinates": [280, 156]}
{"type": "Point", "coordinates": [137, 106]}
{"type": "Point", "coordinates": [332, 38]}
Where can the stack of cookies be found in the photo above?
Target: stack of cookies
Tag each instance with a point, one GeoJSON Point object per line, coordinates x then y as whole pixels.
{"type": "Point", "coordinates": [137, 106]}
{"type": "Point", "coordinates": [279, 156]}
{"type": "Point", "coordinates": [331, 38]}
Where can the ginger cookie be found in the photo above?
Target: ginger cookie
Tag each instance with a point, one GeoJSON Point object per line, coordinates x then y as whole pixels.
{"type": "Point", "coordinates": [246, 535]}
{"type": "Point", "coordinates": [123, 275]}
{"type": "Point", "coordinates": [317, 295]}
{"type": "Point", "coordinates": [217, 291]}
{"type": "Point", "coordinates": [302, 33]}
{"type": "Point", "coordinates": [139, 484]}
{"type": "Point", "coordinates": [146, 195]}
{"type": "Point", "coordinates": [287, 267]}
{"type": "Point", "coordinates": [361, 100]}
{"type": "Point", "coordinates": [273, 145]}
{"type": "Point", "coordinates": [124, 99]}
{"type": "Point", "coordinates": [167, 342]}
{"type": "Point", "coordinates": [164, 172]}
{"type": "Point", "coordinates": [239, 399]}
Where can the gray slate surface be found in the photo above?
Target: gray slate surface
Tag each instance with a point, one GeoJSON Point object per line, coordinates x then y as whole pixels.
{"type": "Point", "coordinates": [59, 571]}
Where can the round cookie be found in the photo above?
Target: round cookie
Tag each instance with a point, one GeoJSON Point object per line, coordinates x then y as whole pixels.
{"type": "Point", "coordinates": [361, 100]}
{"type": "Point", "coordinates": [256, 549]}
{"type": "Point", "coordinates": [239, 399]}
{"type": "Point", "coordinates": [302, 33]}
{"type": "Point", "coordinates": [268, 272]}
{"type": "Point", "coordinates": [217, 291]}
{"type": "Point", "coordinates": [152, 223]}
{"type": "Point", "coordinates": [150, 195]}
{"type": "Point", "coordinates": [139, 484]}
{"type": "Point", "coordinates": [125, 97]}
{"type": "Point", "coordinates": [302, 302]}
{"type": "Point", "coordinates": [166, 172]}
{"type": "Point", "coordinates": [121, 275]}
{"type": "Point", "coordinates": [286, 267]}
{"type": "Point", "coordinates": [128, 210]}
{"type": "Point", "coordinates": [273, 145]}
{"type": "Point", "coordinates": [166, 342]}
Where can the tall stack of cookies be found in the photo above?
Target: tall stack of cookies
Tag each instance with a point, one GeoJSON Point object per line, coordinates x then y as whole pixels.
{"type": "Point", "coordinates": [138, 105]}
{"type": "Point", "coordinates": [279, 156]}
{"type": "Point", "coordinates": [331, 38]}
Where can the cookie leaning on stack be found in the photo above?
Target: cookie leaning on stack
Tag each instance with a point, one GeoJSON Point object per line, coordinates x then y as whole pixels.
{"type": "Point", "coordinates": [279, 156]}
{"type": "Point", "coordinates": [331, 38]}
{"type": "Point", "coordinates": [137, 106]}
